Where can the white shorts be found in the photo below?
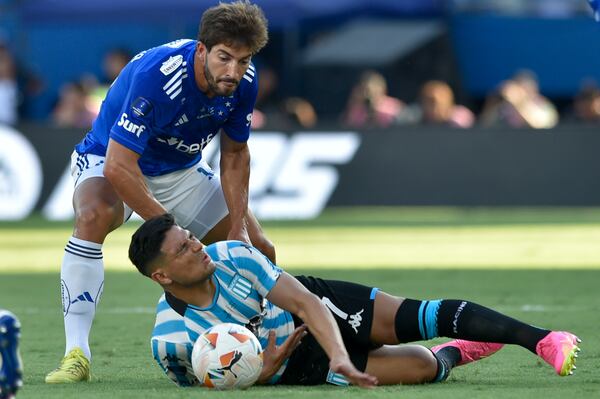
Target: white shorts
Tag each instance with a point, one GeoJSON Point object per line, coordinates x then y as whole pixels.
{"type": "Point", "coordinates": [193, 195]}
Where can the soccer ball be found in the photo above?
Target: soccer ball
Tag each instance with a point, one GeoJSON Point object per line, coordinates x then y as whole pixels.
{"type": "Point", "coordinates": [227, 356]}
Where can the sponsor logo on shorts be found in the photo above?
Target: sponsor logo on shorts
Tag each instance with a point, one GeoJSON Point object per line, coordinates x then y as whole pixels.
{"type": "Point", "coordinates": [130, 126]}
{"type": "Point", "coordinates": [355, 320]}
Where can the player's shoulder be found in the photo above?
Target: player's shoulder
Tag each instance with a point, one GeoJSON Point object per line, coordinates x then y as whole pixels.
{"type": "Point", "coordinates": [250, 77]}
{"type": "Point", "coordinates": [230, 249]}
{"type": "Point", "coordinates": [249, 82]}
{"type": "Point", "coordinates": [170, 323]}
{"type": "Point", "coordinates": [163, 68]}
{"type": "Point", "coordinates": [164, 54]}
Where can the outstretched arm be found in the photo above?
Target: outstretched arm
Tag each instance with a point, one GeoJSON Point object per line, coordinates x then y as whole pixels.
{"type": "Point", "coordinates": [292, 296]}
{"type": "Point", "coordinates": [235, 175]}
{"type": "Point", "coordinates": [124, 174]}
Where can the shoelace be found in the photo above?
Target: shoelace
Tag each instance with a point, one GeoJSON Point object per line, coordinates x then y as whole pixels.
{"type": "Point", "coordinates": [73, 366]}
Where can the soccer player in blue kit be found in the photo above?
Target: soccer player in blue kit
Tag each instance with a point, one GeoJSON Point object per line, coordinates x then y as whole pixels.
{"type": "Point", "coordinates": [144, 154]}
{"type": "Point", "coordinates": [11, 366]}
{"type": "Point", "coordinates": [353, 330]}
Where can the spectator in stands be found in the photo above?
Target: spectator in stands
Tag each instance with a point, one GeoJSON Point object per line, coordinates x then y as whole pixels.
{"type": "Point", "coordinates": [300, 112]}
{"type": "Point", "coordinates": [8, 87]}
{"type": "Point", "coordinates": [272, 112]}
{"type": "Point", "coordinates": [74, 108]}
{"type": "Point", "coordinates": [586, 106]}
{"type": "Point", "coordinates": [291, 113]}
{"type": "Point", "coordinates": [112, 64]}
{"type": "Point", "coordinates": [518, 103]}
{"type": "Point", "coordinates": [436, 106]}
{"type": "Point", "coordinates": [114, 61]}
{"type": "Point", "coordinates": [369, 104]}
{"type": "Point", "coordinates": [265, 98]}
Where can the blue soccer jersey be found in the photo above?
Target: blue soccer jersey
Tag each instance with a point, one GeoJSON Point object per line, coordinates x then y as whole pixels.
{"type": "Point", "coordinates": [156, 109]}
{"type": "Point", "coordinates": [243, 278]}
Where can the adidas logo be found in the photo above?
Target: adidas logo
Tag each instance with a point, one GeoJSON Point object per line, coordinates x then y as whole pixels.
{"type": "Point", "coordinates": [85, 297]}
{"type": "Point", "coordinates": [182, 120]}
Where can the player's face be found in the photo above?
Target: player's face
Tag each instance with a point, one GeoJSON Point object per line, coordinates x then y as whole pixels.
{"type": "Point", "coordinates": [184, 261]}
{"type": "Point", "coordinates": [224, 67]}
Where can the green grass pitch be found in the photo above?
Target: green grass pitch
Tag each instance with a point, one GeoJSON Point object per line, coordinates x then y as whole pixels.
{"type": "Point", "coordinates": [539, 265]}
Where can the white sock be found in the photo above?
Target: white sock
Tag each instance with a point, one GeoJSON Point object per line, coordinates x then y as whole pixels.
{"type": "Point", "coordinates": [82, 280]}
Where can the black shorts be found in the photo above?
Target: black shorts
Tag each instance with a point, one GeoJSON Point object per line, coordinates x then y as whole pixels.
{"type": "Point", "coordinates": [352, 308]}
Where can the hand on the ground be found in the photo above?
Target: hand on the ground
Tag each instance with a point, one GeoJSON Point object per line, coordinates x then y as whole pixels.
{"type": "Point", "coordinates": [346, 368]}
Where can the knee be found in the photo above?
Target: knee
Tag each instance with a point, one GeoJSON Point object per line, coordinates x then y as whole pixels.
{"type": "Point", "coordinates": [265, 246]}
{"type": "Point", "coordinates": [97, 216]}
{"type": "Point", "coordinates": [426, 366]}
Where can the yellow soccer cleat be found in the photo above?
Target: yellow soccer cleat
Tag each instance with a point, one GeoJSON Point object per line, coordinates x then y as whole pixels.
{"type": "Point", "coordinates": [74, 367]}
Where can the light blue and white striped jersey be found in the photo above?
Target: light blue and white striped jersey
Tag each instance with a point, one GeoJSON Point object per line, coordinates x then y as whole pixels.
{"type": "Point", "coordinates": [243, 278]}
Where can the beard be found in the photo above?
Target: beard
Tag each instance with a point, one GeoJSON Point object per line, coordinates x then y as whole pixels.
{"type": "Point", "coordinates": [213, 84]}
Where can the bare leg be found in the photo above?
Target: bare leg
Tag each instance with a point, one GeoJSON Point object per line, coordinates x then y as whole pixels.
{"type": "Point", "coordinates": [98, 210]}
{"type": "Point", "coordinates": [383, 330]}
{"type": "Point", "coordinates": [404, 364]}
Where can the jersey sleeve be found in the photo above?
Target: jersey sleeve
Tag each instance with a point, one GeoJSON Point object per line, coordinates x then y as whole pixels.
{"type": "Point", "coordinates": [174, 358]}
{"type": "Point", "coordinates": [144, 110]}
{"type": "Point", "coordinates": [254, 266]}
{"type": "Point", "coordinates": [238, 124]}
{"type": "Point", "coordinates": [172, 346]}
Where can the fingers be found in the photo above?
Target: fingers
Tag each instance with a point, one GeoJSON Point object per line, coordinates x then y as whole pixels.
{"type": "Point", "coordinates": [293, 340]}
{"type": "Point", "coordinates": [299, 332]}
{"type": "Point", "coordinates": [271, 340]}
{"type": "Point", "coordinates": [363, 380]}
{"type": "Point", "coordinates": [355, 377]}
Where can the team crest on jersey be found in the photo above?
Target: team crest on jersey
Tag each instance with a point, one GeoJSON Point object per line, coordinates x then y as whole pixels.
{"type": "Point", "coordinates": [171, 65]}
{"type": "Point", "coordinates": [240, 286]}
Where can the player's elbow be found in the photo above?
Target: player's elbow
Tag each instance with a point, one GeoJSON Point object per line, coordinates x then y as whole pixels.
{"type": "Point", "coordinates": [306, 304]}
{"type": "Point", "coordinates": [115, 172]}
{"type": "Point", "coordinates": [112, 171]}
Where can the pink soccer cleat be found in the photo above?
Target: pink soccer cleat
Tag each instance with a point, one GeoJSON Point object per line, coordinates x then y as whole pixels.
{"type": "Point", "coordinates": [559, 349]}
{"type": "Point", "coordinates": [471, 351]}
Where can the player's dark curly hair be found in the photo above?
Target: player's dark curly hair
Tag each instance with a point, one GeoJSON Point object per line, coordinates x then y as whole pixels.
{"type": "Point", "coordinates": [234, 24]}
{"type": "Point", "coordinates": [147, 240]}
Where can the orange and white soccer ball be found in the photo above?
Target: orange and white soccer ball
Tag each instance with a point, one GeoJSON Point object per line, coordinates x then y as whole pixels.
{"type": "Point", "coordinates": [227, 356]}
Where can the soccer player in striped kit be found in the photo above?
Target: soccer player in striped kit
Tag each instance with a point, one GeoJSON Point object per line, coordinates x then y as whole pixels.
{"type": "Point", "coordinates": [353, 330]}
{"type": "Point", "coordinates": [144, 154]}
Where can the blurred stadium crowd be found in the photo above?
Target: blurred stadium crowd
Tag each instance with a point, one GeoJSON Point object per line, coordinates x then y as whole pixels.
{"type": "Point", "coordinates": [374, 96]}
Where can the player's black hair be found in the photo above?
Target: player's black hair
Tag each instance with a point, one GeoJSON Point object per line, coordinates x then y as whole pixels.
{"type": "Point", "coordinates": [234, 24]}
{"type": "Point", "coordinates": [147, 240]}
